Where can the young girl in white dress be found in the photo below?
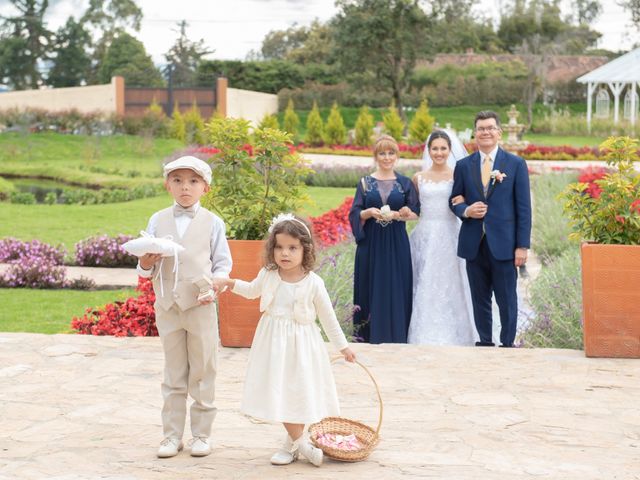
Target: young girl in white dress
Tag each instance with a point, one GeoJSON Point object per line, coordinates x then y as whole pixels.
{"type": "Point", "coordinates": [289, 378]}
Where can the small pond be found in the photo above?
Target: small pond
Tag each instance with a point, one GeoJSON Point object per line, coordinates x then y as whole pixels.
{"type": "Point", "coordinates": [40, 187]}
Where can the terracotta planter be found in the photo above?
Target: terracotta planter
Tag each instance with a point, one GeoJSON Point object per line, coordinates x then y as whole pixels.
{"type": "Point", "coordinates": [611, 300]}
{"type": "Point", "coordinates": [237, 316]}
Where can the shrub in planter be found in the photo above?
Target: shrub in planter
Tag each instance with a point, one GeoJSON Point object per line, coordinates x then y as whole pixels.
{"type": "Point", "coordinates": [134, 317]}
{"type": "Point", "coordinates": [194, 126]}
{"type": "Point", "coordinates": [256, 177]}
{"type": "Point", "coordinates": [104, 251]}
{"type": "Point", "coordinates": [610, 213]}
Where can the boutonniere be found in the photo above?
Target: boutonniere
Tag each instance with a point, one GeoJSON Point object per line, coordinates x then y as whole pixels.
{"type": "Point", "coordinates": [497, 176]}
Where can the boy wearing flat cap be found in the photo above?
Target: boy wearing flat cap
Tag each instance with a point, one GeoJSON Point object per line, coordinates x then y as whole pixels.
{"type": "Point", "coordinates": [187, 321]}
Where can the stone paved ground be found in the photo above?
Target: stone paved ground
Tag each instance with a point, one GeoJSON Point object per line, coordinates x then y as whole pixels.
{"type": "Point", "coordinates": [79, 407]}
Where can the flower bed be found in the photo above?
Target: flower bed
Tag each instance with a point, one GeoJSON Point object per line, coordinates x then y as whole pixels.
{"type": "Point", "coordinates": [134, 317]}
{"type": "Point", "coordinates": [104, 251]}
{"type": "Point", "coordinates": [531, 152]}
{"type": "Point", "coordinates": [333, 226]}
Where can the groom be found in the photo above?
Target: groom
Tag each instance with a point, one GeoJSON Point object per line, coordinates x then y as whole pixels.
{"type": "Point", "coordinates": [496, 227]}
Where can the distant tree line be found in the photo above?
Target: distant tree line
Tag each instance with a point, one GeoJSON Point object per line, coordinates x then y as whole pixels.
{"type": "Point", "coordinates": [369, 48]}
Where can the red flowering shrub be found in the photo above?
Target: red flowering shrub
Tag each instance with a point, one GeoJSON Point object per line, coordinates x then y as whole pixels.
{"type": "Point", "coordinates": [134, 317]}
{"type": "Point", "coordinates": [589, 176]}
{"type": "Point", "coordinates": [333, 226]}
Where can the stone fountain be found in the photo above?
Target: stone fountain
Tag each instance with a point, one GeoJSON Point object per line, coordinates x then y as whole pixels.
{"type": "Point", "coordinates": [514, 131]}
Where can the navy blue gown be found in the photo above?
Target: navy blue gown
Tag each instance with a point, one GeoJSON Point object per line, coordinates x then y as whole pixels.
{"type": "Point", "coordinates": [383, 279]}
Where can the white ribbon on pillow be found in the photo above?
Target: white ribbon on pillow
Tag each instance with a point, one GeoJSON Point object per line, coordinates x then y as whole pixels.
{"type": "Point", "coordinates": [164, 246]}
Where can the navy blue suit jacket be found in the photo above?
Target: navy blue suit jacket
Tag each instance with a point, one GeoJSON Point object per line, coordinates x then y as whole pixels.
{"type": "Point", "coordinates": [507, 223]}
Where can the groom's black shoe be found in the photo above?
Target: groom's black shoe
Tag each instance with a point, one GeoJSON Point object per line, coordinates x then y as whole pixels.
{"type": "Point", "coordinates": [485, 344]}
{"type": "Point", "coordinates": [507, 346]}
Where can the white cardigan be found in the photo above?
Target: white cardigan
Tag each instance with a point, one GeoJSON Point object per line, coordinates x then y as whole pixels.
{"type": "Point", "coordinates": [312, 299]}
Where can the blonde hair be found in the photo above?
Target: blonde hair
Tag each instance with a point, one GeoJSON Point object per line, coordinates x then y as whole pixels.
{"type": "Point", "coordinates": [383, 143]}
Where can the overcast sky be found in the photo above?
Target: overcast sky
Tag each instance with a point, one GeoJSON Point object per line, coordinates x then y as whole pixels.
{"type": "Point", "coordinates": [234, 27]}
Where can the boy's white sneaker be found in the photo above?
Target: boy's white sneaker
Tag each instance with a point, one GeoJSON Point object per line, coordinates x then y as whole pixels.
{"type": "Point", "coordinates": [200, 447]}
{"type": "Point", "coordinates": [169, 447]}
{"type": "Point", "coordinates": [286, 455]}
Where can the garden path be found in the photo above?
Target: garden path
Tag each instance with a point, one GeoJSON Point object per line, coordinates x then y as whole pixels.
{"type": "Point", "coordinates": [539, 166]}
{"type": "Point", "coordinates": [78, 407]}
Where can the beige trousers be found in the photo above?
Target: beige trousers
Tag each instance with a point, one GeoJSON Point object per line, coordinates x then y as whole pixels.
{"type": "Point", "coordinates": [190, 343]}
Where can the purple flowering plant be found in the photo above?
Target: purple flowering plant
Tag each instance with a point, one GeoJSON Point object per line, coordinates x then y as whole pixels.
{"type": "Point", "coordinates": [33, 264]}
{"type": "Point", "coordinates": [104, 251]}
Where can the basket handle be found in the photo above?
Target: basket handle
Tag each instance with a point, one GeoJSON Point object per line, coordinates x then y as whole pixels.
{"type": "Point", "coordinates": [375, 384]}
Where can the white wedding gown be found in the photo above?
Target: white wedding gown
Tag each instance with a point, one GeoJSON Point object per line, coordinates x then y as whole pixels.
{"type": "Point", "coordinates": [442, 309]}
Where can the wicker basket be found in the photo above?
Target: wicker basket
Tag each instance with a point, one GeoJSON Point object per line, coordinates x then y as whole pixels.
{"type": "Point", "coordinates": [367, 436]}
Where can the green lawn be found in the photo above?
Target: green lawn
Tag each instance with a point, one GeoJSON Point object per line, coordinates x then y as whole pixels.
{"type": "Point", "coordinates": [552, 141]}
{"type": "Point", "coordinates": [68, 224]}
{"type": "Point", "coordinates": [49, 311]}
{"type": "Point", "coordinates": [124, 155]}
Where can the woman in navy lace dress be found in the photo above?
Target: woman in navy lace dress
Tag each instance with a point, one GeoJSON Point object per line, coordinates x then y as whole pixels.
{"type": "Point", "coordinates": [383, 287]}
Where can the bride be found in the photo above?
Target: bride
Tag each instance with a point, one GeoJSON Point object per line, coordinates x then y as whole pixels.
{"type": "Point", "coordinates": [442, 311]}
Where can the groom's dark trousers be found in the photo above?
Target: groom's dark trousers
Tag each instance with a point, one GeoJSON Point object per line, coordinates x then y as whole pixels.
{"type": "Point", "coordinates": [488, 244]}
{"type": "Point", "coordinates": [486, 273]}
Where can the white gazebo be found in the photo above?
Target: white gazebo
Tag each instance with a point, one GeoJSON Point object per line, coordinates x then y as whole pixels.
{"type": "Point", "coordinates": [619, 75]}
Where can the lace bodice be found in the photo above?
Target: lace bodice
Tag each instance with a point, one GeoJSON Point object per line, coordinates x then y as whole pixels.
{"type": "Point", "coordinates": [434, 200]}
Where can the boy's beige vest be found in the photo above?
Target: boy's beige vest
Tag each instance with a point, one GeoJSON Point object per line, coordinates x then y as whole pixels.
{"type": "Point", "coordinates": [193, 262]}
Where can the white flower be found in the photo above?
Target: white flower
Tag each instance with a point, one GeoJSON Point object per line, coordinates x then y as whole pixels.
{"type": "Point", "coordinates": [497, 175]}
{"type": "Point", "coordinates": [385, 211]}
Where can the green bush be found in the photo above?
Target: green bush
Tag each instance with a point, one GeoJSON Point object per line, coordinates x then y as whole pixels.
{"type": "Point", "coordinates": [178, 128]}
{"type": "Point", "coordinates": [194, 126]}
{"type": "Point", "coordinates": [315, 127]}
{"type": "Point", "coordinates": [269, 121]}
{"type": "Point", "coordinates": [393, 124]}
{"type": "Point", "coordinates": [335, 133]}
{"type": "Point", "coordinates": [556, 298]}
{"type": "Point", "coordinates": [550, 231]}
{"type": "Point", "coordinates": [421, 124]}
{"type": "Point", "coordinates": [565, 122]}
{"type": "Point", "coordinates": [364, 128]}
{"type": "Point", "coordinates": [24, 198]}
{"type": "Point", "coordinates": [154, 121]}
{"type": "Point", "coordinates": [51, 198]}
{"type": "Point", "coordinates": [291, 120]}
{"type": "Point", "coordinates": [6, 187]}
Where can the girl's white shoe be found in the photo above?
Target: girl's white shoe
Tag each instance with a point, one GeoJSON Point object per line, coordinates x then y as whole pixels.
{"type": "Point", "coordinates": [311, 453]}
{"type": "Point", "coordinates": [286, 455]}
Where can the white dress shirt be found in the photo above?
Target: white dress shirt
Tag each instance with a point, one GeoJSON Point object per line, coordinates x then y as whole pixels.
{"type": "Point", "coordinates": [220, 253]}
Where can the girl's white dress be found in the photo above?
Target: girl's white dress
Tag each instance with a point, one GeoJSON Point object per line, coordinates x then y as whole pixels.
{"type": "Point", "coordinates": [289, 377]}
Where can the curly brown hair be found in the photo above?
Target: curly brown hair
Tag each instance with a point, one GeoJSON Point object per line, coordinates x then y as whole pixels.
{"type": "Point", "coordinates": [297, 230]}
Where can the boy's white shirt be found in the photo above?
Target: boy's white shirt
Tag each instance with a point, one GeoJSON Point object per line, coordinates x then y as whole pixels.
{"type": "Point", "coordinates": [220, 253]}
{"type": "Point", "coordinates": [312, 299]}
